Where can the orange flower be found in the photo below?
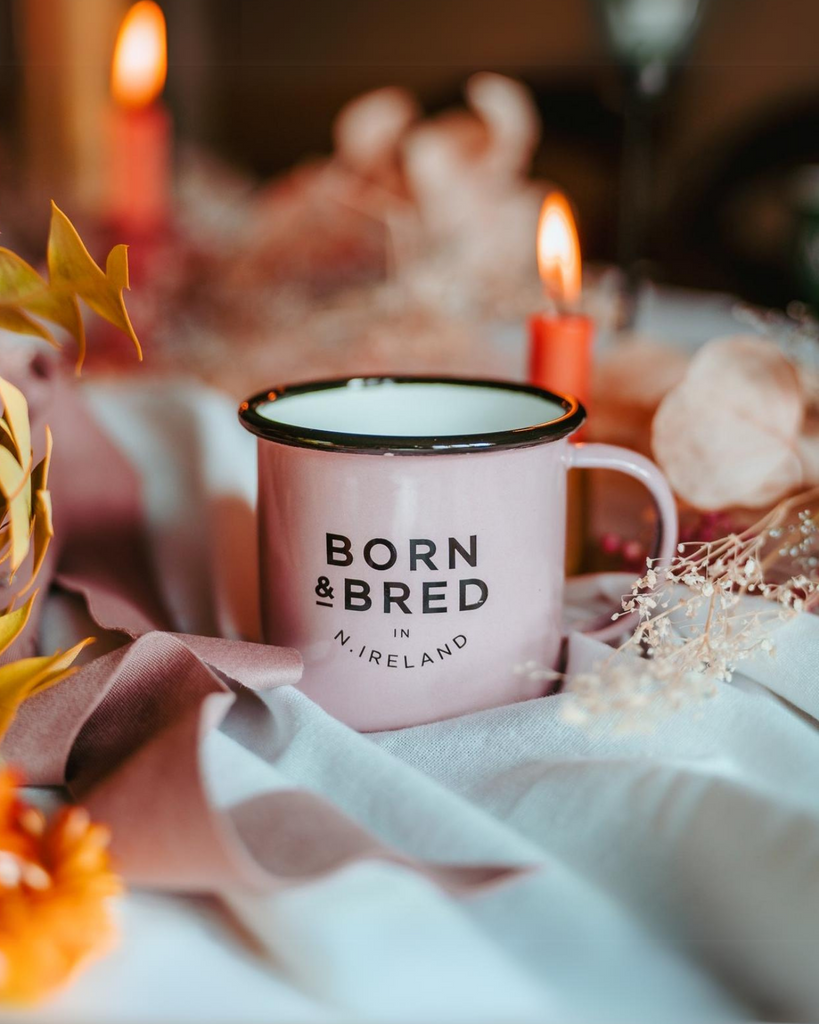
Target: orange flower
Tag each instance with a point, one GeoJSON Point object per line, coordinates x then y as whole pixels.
{"type": "Point", "coordinates": [55, 888]}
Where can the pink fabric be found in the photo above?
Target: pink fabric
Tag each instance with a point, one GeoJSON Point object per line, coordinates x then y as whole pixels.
{"type": "Point", "coordinates": [125, 732]}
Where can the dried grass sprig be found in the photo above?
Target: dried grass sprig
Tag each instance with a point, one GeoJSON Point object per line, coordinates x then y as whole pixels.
{"type": "Point", "coordinates": [26, 526]}
{"type": "Point", "coordinates": [696, 621]}
{"type": "Point", "coordinates": [27, 298]}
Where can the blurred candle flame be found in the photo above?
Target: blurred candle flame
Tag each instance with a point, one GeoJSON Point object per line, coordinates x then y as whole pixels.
{"type": "Point", "coordinates": [558, 250]}
{"type": "Point", "coordinates": [140, 62]}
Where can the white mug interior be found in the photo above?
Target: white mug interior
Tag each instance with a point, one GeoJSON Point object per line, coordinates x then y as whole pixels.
{"type": "Point", "coordinates": [386, 408]}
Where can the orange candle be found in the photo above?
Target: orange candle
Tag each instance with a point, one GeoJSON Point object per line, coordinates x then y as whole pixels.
{"type": "Point", "coordinates": [140, 129]}
{"type": "Point", "coordinates": [560, 343]}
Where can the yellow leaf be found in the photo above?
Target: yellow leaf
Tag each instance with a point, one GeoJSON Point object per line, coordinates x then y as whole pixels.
{"type": "Point", "coordinates": [56, 665]}
{"type": "Point", "coordinates": [60, 307]}
{"type": "Point", "coordinates": [13, 319]}
{"type": "Point", "coordinates": [13, 478]}
{"type": "Point", "coordinates": [16, 487]}
{"type": "Point", "coordinates": [18, 523]}
{"type": "Point", "coordinates": [18, 279]}
{"type": "Point", "coordinates": [43, 533]}
{"type": "Point", "coordinates": [43, 526]}
{"type": "Point", "coordinates": [22, 286]}
{"type": "Point", "coordinates": [13, 623]}
{"type": "Point", "coordinates": [25, 295]}
{"type": "Point", "coordinates": [39, 475]}
{"type": "Point", "coordinates": [23, 678]}
{"type": "Point", "coordinates": [15, 413]}
{"type": "Point", "coordinates": [72, 270]}
{"type": "Point", "coordinates": [6, 440]}
{"type": "Point", "coordinates": [116, 267]}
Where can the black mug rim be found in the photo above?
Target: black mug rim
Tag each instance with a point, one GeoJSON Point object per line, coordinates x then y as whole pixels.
{"type": "Point", "coordinates": [447, 444]}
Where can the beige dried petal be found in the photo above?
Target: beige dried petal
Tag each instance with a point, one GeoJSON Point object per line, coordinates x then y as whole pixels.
{"type": "Point", "coordinates": [715, 459]}
{"type": "Point", "coordinates": [727, 434]}
{"type": "Point", "coordinates": [441, 156]}
{"type": "Point", "coordinates": [368, 130]}
{"type": "Point", "coordinates": [508, 110]}
{"type": "Point", "coordinates": [752, 377]}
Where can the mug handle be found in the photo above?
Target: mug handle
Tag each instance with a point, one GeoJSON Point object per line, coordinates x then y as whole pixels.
{"type": "Point", "coordinates": [609, 456]}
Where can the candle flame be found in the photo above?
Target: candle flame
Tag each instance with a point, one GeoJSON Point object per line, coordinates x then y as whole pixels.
{"type": "Point", "coordinates": [140, 62]}
{"type": "Point", "coordinates": [558, 249]}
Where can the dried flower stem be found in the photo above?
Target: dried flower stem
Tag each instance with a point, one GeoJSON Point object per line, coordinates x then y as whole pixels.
{"type": "Point", "coordinates": [685, 645]}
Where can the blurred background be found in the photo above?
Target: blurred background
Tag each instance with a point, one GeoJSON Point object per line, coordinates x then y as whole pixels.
{"type": "Point", "coordinates": [686, 133]}
{"type": "Point", "coordinates": [327, 188]}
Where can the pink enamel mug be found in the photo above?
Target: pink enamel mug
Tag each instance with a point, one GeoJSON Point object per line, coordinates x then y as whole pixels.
{"type": "Point", "coordinates": [412, 538]}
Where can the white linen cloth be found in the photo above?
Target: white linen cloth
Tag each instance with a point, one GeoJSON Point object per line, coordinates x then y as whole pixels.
{"type": "Point", "coordinates": [677, 874]}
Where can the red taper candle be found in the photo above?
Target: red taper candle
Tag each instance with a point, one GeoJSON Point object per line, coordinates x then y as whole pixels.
{"type": "Point", "coordinates": [139, 135]}
{"type": "Point", "coordinates": [560, 342]}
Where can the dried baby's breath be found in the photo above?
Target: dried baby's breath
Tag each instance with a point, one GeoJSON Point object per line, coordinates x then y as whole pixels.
{"type": "Point", "coordinates": [695, 619]}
